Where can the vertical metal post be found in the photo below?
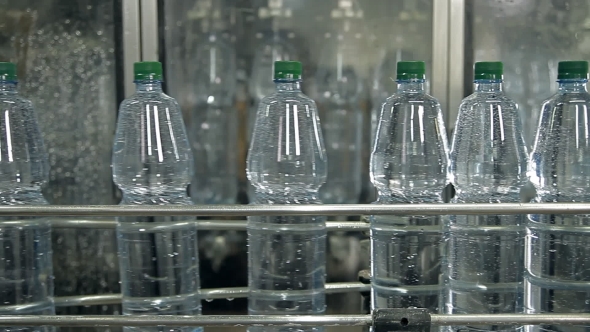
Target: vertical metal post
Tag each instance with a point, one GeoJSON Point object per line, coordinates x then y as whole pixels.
{"type": "Point", "coordinates": [440, 52]}
{"type": "Point", "coordinates": [456, 59]}
{"type": "Point", "coordinates": [149, 30]}
{"type": "Point", "coordinates": [131, 43]}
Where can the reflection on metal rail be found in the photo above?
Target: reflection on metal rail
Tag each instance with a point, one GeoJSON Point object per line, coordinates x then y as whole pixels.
{"type": "Point", "coordinates": [328, 320]}
{"type": "Point", "coordinates": [217, 293]}
{"type": "Point", "coordinates": [291, 210]}
{"type": "Point", "coordinates": [218, 225]}
{"type": "Point", "coordinates": [72, 321]}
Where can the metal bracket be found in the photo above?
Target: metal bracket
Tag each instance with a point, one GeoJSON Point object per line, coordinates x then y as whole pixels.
{"type": "Point", "coordinates": [401, 320]}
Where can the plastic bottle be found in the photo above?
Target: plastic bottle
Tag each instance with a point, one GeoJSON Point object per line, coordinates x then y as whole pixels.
{"type": "Point", "coordinates": [339, 90]}
{"type": "Point", "coordinates": [557, 276]}
{"type": "Point", "coordinates": [287, 165]}
{"type": "Point", "coordinates": [271, 49]}
{"type": "Point", "coordinates": [152, 165]}
{"type": "Point", "coordinates": [485, 254]}
{"type": "Point", "coordinates": [26, 256]}
{"type": "Point", "coordinates": [214, 124]}
{"type": "Point", "coordinates": [409, 166]}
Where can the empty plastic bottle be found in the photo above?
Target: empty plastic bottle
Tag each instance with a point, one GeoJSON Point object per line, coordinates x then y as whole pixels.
{"type": "Point", "coordinates": [557, 277]}
{"type": "Point", "coordinates": [484, 259]}
{"type": "Point", "coordinates": [214, 124]}
{"type": "Point", "coordinates": [409, 166]}
{"type": "Point", "coordinates": [26, 274]}
{"type": "Point", "coordinates": [339, 87]}
{"type": "Point", "coordinates": [152, 165]}
{"type": "Point", "coordinates": [287, 165]}
{"type": "Point", "coordinates": [272, 49]}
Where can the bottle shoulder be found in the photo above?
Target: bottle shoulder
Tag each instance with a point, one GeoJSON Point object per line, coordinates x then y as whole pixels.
{"type": "Point", "coordinates": [399, 98]}
{"type": "Point", "coordinates": [484, 99]}
{"type": "Point", "coordinates": [567, 98]}
{"type": "Point", "coordinates": [147, 98]}
{"type": "Point", "coordinates": [291, 97]}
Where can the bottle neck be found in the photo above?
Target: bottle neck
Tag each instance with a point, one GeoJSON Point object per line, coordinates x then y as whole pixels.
{"type": "Point", "coordinates": [148, 86]}
{"type": "Point", "coordinates": [488, 85]}
{"type": "Point", "coordinates": [8, 87]}
{"type": "Point", "coordinates": [572, 85]}
{"type": "Point", "coordinates": [288, 85]}
{"type": "Point", "coordinates": [413, 85]}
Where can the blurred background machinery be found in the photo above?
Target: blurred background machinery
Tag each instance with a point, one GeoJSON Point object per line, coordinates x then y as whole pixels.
{"type": "Point", "coordinates": [75, 59]}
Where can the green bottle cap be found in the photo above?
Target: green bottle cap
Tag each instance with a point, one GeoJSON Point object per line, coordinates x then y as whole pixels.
{"type": "Point", "coordinates": [572, 70]}
{"type": "Point", "coordinates": [7, 71]}
{"type": "Point", "coordinates": [286, 70]}
{"type": "Point", "coordinates": [407, 70]}
{"type": "Point", "coordinates": [488, 70]}
{"type": "Point", "coordinates": [148, 70]}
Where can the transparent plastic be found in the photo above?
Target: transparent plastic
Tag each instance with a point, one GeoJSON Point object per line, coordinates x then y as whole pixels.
{"type": "Point", "coordinates": [273, 48]}
{"type": "Point", "coordinates": [287, 165]}
{"type": "Point", "coordinates": [408, 165]}
{"type": "Point", "coordinates": [484, 260]}
{"type": "Point", "coordinates": [26, 256]}
{"type": "Point", "coordinates": [152, 165]}
{"type": "Point", "coordinates": [214, 124]}
{"type": "Point", "coordinates": [557, 274]}
{"type": "Point", "coordinates": [339, 88]}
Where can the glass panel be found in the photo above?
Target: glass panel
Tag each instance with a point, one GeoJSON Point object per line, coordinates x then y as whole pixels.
{"type": "Point", "coordinates": [65, 52]}
{"type": "Point", "coordinates": [530, 37]}
{"type": "Point", "coordinates": [349, 50]}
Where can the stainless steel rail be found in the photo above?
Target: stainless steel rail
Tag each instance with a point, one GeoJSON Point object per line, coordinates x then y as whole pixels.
{"type": "Point", "coordinates": [511, 319]}
{"type": "Point", "coordinates": [292, 210]}
{"type": "Point", "coordinates": [201, 224]}
{"type": "Point", "coordinates": [327, 320]}
{"type": "Point", "coordinates": [208, 321]}
{"type": "Point", "coordinates": [216, 293]}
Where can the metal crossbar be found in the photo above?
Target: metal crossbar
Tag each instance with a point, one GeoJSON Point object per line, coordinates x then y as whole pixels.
{"type": "Point", "coordinates": [296, 210]}
{"type": "Point", "coordinates": [282, 320]}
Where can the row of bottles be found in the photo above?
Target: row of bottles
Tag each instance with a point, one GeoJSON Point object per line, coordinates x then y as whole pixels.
{"type": "Point", "coordinates": [484, 266]}
{"type": "Point", "coordinates": [489, 264]}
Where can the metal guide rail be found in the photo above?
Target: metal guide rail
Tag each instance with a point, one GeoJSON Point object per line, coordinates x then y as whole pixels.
{"type": "Point", "coordinates": [295, 210]}
{"type": "Point", "coordinates": [382, 320]}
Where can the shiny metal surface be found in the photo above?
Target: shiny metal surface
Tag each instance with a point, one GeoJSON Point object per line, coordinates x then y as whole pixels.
{"type": "Point", "coordinates": [149, 30]}
{"type": "Point", "coordinates": [301, 210]}
{"type": "Point", "coordinates": [201, 224]}
{"type": "Point", "coordinates": [208, 321]}
{"type": "Point", "coordinates": [328, 320]}
{"type": "Point", "coordinates": [131, 43]}
{"type": "Point", "coordinates": [217, 293]}
{"type": "Point", "coordinates": [457, 63]}
{"type": "Point", "coordinates": [440, 52]}
{"type": "Point", "coordinates": [510, 319]}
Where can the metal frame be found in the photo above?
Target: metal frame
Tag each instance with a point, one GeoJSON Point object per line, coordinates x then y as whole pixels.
{"type": "Point", "coordinates": [280, 320]}
{"type": "Point", "coordinates": [149, 30]}
{"type": "Point", "coordinates": [440, 51]}
{"type": "Point", "coordinates": [131, 43]}
{"type": "Point", "coordinates": [456, 60]}
{"type": "Point", "coordinates": [237, 210]}
{"type": "Point", "coordinates": [295, 210]}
